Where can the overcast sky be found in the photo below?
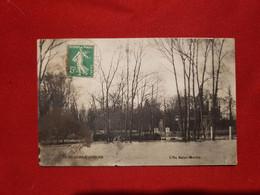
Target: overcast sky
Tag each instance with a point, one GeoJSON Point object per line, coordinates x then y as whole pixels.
{"type": "Point", "coordinates": [153, 61]}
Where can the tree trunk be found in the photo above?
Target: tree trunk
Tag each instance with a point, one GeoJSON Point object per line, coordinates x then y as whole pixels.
{"type": "Point", "coordinates": [177, 87]}
{"type": "Point", "coordinates": [127, 91]}
{"type": "Point", "coordinates": [185, 96]}
{"type": "Point", "coordinates": [213, 109]}
{"type": "Point", "coordinates": [193, 88]}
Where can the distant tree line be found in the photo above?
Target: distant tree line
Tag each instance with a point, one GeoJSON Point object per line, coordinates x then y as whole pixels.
{"type": "Point", "coordinates": [129, 103]}
{"type": "Point", "coordinates": [133, 100]}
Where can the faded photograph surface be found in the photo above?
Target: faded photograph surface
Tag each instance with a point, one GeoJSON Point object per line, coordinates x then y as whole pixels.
{"type": "Point", "coordinates": [136, 102]}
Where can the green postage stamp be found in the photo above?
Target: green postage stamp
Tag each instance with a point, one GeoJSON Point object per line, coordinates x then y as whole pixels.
{"type": "Point", "coordinates": [81, 60]}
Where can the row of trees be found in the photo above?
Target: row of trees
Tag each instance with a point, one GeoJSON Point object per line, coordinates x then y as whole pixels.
{"type": "Point", "coordinates": [197, 70]}
{"type": "Point", "coordinates": [130, 98]}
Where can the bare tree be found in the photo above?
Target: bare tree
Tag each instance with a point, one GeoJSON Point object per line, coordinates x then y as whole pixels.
{"type": "Point", "coordinates": [229, 104]}
{"type": "Point", "coordinates": [144, 92]}
{"type": "Point", "coordinates": [107, 78]}
{"type": "Point", "coordinates": [201, 84]}
{"type": "Point", "coordinates": [56, 91]}
{"type": "Point", "coordinates": [194, 52]}
{"type": "Point", "coordinates": [138, 52]}
{"type": "Point", "coordinates": [179, 48]}
{"type": "Point", "coordinates": [216, 49]}
{"type": "Point", "coordinates": [166, 47]}
{"type": "Point", "coordinates": [127, 88]}
{"type": "Point", "coordinates": [46, 53]}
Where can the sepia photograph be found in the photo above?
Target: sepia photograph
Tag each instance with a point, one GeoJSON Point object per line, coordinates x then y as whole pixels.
{"type": "Point", "coordinates": [136, 102]}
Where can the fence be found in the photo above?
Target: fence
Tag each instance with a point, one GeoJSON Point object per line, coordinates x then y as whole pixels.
{"type": "Point", "coordinates": [228, 133]}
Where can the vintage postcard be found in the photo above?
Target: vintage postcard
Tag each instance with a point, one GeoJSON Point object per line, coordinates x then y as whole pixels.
{"type": "Point", "coordinates": [136, 102]}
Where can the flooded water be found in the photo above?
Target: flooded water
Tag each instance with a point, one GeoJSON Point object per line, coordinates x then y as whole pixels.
{"type": "Point", "coordinates": [220, 152]}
